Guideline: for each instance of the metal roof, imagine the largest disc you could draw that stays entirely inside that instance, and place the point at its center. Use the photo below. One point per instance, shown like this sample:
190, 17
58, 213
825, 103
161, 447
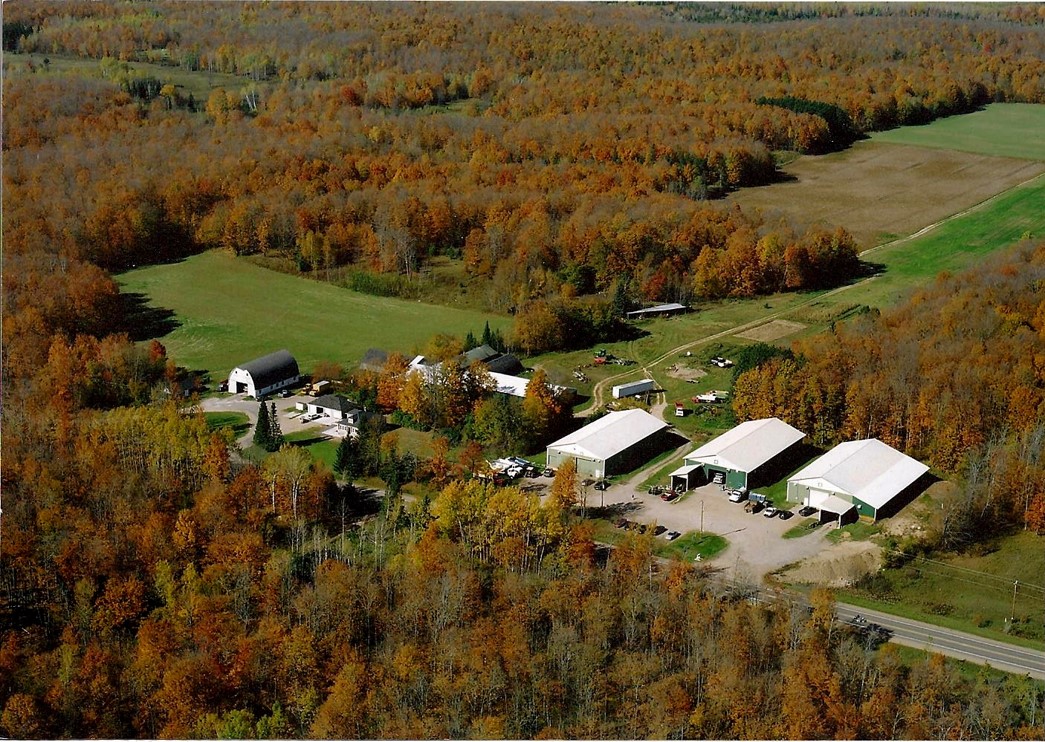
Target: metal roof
868, 470
835, 505
658, 309
609, 435
334, 402
271, 369
684, 471
747, 446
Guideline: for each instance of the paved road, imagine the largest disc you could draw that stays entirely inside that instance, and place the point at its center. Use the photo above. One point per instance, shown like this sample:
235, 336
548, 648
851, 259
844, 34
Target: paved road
959, 645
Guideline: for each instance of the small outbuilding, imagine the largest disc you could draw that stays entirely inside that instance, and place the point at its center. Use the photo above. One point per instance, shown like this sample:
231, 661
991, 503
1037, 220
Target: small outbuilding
615, 443
632, 388
863, 477
731, 458
265, 375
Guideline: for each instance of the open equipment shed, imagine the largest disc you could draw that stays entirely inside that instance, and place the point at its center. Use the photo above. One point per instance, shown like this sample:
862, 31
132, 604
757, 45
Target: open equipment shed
612, 444
862, 477
730, 458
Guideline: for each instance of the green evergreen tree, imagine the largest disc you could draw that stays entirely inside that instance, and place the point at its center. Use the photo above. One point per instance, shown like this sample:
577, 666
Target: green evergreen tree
392, 474
347, 462
263, 429
470, 341
276, 439
487, 335
621, 303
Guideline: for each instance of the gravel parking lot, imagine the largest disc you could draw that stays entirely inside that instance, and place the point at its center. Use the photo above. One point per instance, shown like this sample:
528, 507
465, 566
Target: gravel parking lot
756, 546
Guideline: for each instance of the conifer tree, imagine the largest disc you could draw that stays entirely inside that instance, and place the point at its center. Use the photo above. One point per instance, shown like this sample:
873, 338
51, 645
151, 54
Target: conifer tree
276, 439
263, 429
347, 463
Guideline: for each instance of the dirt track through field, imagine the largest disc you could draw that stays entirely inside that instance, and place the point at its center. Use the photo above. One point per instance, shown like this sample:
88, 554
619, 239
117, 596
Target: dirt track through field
599, 389
878, 189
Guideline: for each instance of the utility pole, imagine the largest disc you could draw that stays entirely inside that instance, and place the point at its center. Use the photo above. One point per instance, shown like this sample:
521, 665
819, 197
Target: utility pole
701, 517
1015, 587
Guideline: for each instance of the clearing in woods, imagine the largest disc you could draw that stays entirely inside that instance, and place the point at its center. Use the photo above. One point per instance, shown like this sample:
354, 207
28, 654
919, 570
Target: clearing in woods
884, 187
1002, 129
230, 311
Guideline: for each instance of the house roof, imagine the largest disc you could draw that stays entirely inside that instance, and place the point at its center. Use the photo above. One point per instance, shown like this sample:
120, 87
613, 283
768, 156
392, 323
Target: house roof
868, 470
272, 369
504, 364
610, 435
516, 385
747, 446
334, 402
482, 353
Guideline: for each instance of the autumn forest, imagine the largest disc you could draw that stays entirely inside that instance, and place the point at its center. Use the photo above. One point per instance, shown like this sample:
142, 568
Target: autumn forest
565, 162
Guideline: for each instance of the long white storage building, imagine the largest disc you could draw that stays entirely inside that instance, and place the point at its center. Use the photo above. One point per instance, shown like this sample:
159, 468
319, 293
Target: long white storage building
731, 457
862, 477
615, 443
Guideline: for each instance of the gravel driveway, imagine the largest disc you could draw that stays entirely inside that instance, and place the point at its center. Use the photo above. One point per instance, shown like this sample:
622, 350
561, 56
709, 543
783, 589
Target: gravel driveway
756, 546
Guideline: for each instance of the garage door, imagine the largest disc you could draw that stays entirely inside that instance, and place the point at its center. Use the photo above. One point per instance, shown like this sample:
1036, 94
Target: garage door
817, 497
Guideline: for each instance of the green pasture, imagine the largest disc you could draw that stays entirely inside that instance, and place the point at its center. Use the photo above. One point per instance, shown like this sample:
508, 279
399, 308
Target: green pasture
230, 311
971, 592
1001, 129
953, 246
199, 83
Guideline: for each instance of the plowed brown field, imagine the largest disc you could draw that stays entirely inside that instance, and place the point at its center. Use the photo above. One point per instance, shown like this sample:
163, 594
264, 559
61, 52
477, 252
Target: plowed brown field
881, 191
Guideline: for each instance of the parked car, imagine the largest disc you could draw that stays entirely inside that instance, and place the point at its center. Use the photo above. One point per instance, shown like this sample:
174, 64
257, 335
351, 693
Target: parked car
223, 386
784, 514
285, 393
602, 484
753, 507
669, 496
769, 512
806, 510
659, 530
737, 495
548, 472
672, 535
532, 473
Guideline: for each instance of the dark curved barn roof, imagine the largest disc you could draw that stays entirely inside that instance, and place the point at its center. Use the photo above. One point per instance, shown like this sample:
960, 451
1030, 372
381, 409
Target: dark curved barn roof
272, 369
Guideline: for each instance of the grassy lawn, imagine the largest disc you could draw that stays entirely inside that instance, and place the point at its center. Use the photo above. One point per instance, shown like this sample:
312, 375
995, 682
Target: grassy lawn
912, 657
802, 528
859, 531
238, 421
230, 311
693, 544
687, 547
969, 592
1001, 129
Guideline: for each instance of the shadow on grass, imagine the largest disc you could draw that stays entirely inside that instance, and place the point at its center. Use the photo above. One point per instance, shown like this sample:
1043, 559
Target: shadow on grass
306, 442
142, 322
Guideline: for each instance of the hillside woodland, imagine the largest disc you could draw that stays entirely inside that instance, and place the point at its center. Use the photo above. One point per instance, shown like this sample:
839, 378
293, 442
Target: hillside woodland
153, 584
549, 150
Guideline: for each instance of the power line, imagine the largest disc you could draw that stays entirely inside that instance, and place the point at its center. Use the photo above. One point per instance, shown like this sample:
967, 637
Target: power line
1006, 580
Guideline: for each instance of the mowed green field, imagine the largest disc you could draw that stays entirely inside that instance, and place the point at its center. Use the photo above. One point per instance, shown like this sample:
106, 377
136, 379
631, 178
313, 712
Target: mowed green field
1003, 130
952, 246
231, 311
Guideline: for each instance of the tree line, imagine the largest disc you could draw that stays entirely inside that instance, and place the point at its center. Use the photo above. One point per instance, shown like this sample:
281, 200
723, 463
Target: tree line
952, 376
